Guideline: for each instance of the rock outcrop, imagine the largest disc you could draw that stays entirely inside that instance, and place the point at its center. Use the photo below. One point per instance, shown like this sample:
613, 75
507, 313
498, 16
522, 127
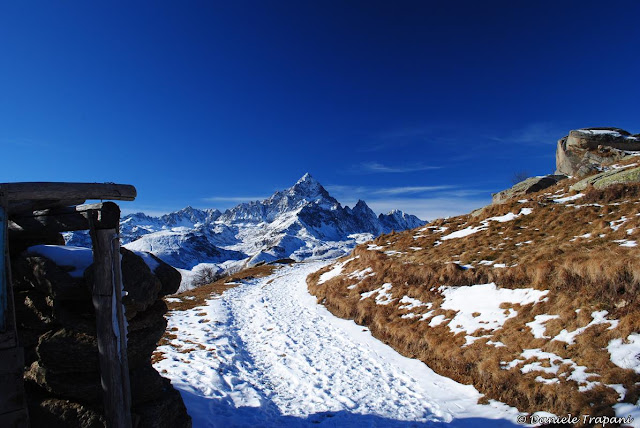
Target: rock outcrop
608, 178
56, 326
589, 150
530, 185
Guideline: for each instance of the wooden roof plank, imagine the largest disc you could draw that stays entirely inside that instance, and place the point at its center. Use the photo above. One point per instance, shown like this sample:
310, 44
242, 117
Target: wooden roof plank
36, 191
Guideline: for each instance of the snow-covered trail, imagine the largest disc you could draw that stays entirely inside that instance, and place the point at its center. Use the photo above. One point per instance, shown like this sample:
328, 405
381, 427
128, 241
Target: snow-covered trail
265, 353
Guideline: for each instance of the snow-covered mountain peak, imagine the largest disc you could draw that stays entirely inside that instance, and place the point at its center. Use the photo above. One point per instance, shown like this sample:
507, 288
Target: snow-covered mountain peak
189, 217
361, 206
309, 188
307, 178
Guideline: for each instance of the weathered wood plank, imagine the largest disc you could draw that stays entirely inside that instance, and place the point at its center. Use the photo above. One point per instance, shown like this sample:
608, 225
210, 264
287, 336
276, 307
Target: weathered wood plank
58, 191
112, 354
31, 205
106, 215
122, 326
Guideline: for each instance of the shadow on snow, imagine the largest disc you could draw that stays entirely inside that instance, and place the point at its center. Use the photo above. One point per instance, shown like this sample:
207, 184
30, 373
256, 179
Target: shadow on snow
212, 412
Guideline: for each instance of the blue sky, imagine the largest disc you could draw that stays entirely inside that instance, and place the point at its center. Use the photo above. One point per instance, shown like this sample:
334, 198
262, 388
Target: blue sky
424, 106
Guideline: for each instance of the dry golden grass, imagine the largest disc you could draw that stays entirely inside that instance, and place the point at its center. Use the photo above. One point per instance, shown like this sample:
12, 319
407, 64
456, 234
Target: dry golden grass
198, 296
548, 249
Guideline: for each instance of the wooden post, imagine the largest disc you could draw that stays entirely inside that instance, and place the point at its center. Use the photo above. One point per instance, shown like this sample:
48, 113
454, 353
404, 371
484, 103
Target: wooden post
4, 292
122, 326
111, 332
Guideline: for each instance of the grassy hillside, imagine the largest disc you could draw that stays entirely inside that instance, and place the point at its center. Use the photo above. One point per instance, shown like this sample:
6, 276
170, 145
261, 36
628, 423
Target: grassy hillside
534, 302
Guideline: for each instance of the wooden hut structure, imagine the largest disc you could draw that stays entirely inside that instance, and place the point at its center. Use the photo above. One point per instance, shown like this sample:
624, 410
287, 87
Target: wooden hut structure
32, 210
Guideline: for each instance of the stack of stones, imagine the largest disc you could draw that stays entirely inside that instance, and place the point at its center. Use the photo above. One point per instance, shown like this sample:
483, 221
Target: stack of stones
56, 326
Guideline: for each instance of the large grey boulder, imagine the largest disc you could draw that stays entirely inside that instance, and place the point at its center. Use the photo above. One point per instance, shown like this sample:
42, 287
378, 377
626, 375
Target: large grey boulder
80, 386
608, 178
42, 274
69, 351
589, 150
169, 277
530, 185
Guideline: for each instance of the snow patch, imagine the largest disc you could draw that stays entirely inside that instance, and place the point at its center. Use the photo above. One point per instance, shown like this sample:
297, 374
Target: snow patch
578, 374
615, 225
383, 296
337, 270
599, 317
77, 258
464, 232
568, 198
537, 326
478, 306
149, 261
484, 224
361, 274
409, 303
626, 354
626, 243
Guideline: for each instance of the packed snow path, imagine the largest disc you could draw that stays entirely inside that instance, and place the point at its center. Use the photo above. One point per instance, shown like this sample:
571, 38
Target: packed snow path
265, 353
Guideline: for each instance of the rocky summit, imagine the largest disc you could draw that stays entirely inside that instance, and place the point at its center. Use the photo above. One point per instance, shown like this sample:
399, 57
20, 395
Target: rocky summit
585, 151
302, 222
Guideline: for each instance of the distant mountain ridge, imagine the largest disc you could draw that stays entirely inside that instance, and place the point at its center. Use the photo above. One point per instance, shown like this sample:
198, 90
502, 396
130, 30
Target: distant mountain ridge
301, 222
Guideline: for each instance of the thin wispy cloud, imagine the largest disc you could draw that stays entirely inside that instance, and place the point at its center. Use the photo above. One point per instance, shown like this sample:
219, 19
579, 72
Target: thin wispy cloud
426, 208
376, 168
533, 133
338, 189
465, 193
410, 189
344, 193
427, 202
369, 192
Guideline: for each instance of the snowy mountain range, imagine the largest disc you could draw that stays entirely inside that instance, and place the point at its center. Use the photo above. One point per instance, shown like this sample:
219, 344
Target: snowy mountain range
302, 222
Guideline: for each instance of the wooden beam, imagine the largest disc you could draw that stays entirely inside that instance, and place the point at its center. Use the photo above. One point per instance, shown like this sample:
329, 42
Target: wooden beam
109, 328
105, 215
60, 191
17, 207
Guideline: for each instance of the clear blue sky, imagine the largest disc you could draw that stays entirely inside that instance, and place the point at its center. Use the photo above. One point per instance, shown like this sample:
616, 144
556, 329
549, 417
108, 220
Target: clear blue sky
424, 106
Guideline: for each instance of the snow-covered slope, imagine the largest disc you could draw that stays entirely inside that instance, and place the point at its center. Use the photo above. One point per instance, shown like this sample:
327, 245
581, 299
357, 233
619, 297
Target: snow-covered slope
302, 222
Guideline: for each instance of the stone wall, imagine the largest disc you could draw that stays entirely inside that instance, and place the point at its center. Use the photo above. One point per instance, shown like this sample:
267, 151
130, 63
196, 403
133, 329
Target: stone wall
56, 326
